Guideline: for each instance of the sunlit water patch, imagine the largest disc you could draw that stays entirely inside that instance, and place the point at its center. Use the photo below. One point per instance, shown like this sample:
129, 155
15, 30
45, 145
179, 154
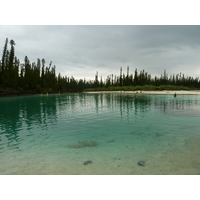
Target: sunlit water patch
111, 133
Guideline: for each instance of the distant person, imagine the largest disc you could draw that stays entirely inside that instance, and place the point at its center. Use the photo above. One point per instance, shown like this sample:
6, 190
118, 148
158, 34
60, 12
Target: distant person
175, 95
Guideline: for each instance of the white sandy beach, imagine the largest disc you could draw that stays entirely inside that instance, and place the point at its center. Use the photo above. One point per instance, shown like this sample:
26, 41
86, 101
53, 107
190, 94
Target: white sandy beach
178, 92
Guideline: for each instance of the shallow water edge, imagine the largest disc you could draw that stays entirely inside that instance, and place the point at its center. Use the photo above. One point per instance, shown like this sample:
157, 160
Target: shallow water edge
184, 160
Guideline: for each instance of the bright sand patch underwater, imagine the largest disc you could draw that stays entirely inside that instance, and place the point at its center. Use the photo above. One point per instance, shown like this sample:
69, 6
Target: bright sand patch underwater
182, 160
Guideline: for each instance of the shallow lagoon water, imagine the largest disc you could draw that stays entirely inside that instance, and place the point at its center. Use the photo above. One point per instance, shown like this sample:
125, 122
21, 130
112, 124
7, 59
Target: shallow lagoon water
163, 131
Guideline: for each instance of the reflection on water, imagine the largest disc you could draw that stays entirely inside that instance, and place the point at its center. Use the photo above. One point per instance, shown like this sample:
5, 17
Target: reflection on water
122, 124
21, 117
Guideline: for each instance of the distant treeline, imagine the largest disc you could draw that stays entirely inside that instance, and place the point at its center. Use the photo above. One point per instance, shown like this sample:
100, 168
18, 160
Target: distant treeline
36, 77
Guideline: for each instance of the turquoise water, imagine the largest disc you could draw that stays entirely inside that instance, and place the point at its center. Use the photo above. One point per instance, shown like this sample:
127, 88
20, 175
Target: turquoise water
36, 131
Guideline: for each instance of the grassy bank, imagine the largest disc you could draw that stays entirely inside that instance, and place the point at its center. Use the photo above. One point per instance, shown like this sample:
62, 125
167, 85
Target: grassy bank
10, 92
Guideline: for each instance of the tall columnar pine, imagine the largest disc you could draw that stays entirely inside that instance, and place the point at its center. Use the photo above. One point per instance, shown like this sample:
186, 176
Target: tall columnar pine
136, 78
36, 77
3, 64
120, 78
3, 61
96, 81
12, 54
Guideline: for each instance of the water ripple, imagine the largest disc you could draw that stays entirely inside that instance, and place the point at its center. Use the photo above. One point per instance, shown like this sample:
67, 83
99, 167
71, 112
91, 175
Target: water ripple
42, 127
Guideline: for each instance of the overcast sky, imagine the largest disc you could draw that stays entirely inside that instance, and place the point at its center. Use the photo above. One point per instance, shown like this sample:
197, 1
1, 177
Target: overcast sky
80, 51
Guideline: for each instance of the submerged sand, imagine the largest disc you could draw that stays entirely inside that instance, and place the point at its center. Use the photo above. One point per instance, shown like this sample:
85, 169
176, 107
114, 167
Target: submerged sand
178, 92
182, 160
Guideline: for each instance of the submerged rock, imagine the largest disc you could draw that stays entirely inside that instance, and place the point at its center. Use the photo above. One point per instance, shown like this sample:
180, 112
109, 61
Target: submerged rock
87, 162
141, 163
82, 144
159, 134
109, 141
13, 148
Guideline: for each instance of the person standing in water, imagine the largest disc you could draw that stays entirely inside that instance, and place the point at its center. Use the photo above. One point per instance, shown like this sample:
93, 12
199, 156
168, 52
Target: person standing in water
175, 95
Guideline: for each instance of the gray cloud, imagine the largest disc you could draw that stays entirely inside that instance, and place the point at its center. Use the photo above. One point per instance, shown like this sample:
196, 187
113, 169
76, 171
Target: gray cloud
82, 50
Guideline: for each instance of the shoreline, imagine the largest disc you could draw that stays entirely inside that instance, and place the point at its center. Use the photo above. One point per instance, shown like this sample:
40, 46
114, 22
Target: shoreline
166, 92
153, 92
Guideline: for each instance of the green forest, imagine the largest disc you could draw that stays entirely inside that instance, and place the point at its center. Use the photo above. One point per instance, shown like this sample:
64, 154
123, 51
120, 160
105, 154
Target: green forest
39, 77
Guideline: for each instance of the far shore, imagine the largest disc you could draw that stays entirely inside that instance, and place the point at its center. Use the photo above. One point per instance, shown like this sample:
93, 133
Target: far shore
139, 92
178, 92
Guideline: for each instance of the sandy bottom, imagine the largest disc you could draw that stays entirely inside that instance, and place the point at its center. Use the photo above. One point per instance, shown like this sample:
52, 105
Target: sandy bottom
180, 161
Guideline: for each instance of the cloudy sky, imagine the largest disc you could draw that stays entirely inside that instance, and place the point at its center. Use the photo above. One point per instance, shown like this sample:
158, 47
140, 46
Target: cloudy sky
80, 51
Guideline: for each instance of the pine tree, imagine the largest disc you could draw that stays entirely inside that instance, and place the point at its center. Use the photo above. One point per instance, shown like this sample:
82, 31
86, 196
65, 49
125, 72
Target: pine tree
136, 78
42, 75
12, 54
3, 64
12, 78
4, 56
96, 81
120, 78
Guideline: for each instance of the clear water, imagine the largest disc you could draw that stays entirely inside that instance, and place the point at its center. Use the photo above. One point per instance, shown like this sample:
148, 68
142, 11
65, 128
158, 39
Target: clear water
162, 131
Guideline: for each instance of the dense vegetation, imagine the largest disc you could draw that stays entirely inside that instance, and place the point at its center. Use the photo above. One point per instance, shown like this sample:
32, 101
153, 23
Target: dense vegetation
36, 77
